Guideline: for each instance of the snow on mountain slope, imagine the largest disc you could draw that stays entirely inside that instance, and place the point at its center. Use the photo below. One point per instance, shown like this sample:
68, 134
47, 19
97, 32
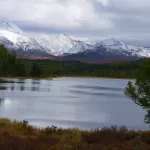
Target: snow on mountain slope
139, 51
60, 45
80, 46
4, 41
8, 26
117, 47
18, 38
57, 45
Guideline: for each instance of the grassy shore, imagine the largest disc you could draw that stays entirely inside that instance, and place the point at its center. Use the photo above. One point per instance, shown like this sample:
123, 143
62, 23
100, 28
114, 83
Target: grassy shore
22, 136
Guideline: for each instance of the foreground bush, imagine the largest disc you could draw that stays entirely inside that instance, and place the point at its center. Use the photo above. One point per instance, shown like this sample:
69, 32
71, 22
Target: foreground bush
22, 136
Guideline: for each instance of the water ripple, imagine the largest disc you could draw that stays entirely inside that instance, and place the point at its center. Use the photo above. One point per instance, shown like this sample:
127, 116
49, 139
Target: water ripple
96, 94
98, 88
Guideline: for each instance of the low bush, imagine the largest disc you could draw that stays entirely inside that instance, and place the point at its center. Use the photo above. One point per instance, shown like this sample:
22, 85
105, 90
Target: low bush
22, 136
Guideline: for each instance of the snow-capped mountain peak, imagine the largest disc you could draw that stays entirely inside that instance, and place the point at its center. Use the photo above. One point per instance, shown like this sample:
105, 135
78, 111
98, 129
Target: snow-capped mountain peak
63, 36
119, 48
111, 42
11, 34
10, 27
60, 44
13, 37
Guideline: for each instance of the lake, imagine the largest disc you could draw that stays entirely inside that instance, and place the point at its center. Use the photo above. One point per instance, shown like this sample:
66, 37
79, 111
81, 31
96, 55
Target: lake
86, 103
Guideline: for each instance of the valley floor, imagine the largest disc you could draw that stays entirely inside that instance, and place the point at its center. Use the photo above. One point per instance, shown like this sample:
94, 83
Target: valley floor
22, 136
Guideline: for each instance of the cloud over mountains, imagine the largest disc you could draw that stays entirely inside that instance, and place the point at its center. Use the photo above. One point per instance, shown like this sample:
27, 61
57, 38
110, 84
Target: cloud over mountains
126, 20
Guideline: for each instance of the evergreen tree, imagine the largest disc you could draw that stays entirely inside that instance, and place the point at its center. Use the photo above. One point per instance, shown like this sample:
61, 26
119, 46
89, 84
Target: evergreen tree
140, 90
9, 64
3, 59
21, 70
36, 70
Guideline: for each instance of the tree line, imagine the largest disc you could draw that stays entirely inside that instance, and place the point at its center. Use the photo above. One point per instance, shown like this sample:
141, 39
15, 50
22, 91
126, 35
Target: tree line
10, 65
74, 68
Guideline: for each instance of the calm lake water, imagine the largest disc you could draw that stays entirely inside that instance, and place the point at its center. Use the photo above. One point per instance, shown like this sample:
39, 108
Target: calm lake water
86, 103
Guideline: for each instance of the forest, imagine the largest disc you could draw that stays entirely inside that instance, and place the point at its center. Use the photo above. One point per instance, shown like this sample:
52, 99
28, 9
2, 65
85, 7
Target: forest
11, 65
79, 69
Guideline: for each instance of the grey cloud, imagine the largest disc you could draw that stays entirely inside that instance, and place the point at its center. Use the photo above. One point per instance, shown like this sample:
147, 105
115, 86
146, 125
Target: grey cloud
129, 19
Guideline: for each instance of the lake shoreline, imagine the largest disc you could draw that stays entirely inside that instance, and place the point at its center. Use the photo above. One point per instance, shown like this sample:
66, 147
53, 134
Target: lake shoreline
94, 77
51, 77
33, 78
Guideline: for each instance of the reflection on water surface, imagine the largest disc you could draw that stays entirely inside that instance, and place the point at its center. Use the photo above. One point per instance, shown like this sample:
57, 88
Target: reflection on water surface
70, 102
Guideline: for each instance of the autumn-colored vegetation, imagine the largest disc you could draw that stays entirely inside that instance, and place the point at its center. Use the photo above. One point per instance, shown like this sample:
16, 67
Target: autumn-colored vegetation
22, 136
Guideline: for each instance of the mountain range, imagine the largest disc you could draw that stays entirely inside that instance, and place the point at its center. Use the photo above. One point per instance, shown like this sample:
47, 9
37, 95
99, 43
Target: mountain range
63, 47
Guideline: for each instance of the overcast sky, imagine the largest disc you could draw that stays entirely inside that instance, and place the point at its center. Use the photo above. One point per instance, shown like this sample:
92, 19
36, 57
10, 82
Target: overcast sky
126, 20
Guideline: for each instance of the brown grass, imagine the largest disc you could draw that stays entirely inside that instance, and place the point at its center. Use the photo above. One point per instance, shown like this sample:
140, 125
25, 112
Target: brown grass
22, 136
